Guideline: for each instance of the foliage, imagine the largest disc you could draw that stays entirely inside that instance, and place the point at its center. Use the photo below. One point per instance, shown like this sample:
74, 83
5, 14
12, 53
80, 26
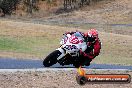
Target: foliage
7, 6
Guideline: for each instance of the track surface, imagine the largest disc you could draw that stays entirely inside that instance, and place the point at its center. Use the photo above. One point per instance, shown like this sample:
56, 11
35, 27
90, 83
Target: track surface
7, 63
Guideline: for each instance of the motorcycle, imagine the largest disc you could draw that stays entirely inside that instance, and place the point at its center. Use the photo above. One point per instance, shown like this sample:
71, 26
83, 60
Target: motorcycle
68, 52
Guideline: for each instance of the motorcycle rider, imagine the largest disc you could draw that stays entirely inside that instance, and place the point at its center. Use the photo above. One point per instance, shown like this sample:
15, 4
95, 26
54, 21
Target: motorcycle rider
93, 47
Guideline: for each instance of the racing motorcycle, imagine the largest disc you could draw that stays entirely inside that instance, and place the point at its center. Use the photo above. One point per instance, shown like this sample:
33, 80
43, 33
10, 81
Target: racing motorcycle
68, 52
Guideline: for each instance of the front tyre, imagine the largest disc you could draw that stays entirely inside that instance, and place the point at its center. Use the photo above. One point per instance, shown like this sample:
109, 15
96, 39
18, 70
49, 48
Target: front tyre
51, 59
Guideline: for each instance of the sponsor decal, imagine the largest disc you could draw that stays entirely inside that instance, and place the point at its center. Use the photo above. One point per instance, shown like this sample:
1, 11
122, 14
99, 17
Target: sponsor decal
83, 78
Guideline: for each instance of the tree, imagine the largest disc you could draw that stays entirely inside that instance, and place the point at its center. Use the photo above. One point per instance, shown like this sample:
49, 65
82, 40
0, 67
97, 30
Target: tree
7, 6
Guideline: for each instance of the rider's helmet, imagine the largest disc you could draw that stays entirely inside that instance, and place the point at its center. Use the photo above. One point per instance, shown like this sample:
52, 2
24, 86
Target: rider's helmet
91, 35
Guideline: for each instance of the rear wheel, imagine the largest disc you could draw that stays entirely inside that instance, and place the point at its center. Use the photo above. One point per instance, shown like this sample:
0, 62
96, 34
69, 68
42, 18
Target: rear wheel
51, 59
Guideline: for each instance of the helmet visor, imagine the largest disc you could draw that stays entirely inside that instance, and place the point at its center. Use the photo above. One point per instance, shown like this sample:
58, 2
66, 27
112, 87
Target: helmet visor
91, 39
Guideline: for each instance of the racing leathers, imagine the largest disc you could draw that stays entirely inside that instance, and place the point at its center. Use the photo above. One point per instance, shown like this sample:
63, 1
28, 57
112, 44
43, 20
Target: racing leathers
93, 50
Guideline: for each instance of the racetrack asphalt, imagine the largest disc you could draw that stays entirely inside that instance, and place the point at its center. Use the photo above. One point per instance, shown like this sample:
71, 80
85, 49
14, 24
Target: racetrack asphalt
8, 63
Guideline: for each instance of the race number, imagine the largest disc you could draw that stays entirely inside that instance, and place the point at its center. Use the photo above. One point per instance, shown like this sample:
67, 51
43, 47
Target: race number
70, 47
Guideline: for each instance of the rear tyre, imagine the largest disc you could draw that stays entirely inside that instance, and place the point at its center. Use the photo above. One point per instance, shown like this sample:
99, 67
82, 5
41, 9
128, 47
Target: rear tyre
51, 59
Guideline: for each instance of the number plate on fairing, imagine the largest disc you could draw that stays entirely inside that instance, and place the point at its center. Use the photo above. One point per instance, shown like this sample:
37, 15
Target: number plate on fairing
70, 47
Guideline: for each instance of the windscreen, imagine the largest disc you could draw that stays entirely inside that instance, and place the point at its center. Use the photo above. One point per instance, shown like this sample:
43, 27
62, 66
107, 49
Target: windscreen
78, 34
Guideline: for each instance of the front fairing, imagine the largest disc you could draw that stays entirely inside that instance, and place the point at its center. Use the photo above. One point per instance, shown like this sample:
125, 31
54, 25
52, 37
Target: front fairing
72, 48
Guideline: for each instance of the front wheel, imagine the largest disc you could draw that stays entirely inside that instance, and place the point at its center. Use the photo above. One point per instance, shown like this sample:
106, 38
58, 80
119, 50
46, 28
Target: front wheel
51, 59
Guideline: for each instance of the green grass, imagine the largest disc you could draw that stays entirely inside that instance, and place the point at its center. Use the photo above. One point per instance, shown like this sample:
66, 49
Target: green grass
38, 46
12, 44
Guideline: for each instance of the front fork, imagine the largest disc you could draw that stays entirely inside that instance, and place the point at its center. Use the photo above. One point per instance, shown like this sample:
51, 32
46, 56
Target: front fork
62, 58
63, 53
